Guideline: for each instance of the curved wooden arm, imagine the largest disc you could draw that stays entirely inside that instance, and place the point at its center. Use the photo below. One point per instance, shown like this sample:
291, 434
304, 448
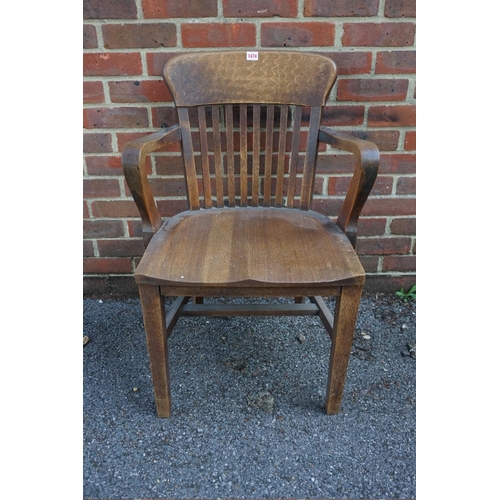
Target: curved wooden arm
133, 158
365, 173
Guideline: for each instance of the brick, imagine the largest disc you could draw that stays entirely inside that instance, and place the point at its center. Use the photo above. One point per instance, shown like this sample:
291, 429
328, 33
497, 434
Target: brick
406, 185
392, 116
378, 34
396, 61
101, 188
369, 263
127, 36
218, 35
383, 246
88, 248
371, 226
351, 63
297, 34
134, 228
400, 8
343, 115
155, 9
111, 265
337, 186
340, 8
385, 140
156, 60
165, 187
335, 163
120, 248
139, 91
109, 9
372, 89
399, 263
397, 163
169, 208
102, 228
327, 206
115, 209
169, 165
93, 92
389, 206
97, 143
260, 8
109, 165
406, 226
86, 213
89, 37
124, 117
411, 140
112, 64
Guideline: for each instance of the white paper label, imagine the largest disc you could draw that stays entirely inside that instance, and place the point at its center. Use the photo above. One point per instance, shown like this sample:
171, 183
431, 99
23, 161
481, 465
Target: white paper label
252, 56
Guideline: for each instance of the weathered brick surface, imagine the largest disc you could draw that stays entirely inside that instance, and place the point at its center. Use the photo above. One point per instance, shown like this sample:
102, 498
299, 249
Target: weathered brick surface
372, 90
400, 8
260, 8
126, 44
150, 35
396, 61
139, 91
218, 35
112, 64
340, 8
89, 37
179, 8
93, 92
109, 9
297, 34
379, 35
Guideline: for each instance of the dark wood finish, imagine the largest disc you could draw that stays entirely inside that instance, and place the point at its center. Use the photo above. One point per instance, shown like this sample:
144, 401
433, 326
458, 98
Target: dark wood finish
264, 246
153, 308
346, 311
250, 310
236, 239
228, 78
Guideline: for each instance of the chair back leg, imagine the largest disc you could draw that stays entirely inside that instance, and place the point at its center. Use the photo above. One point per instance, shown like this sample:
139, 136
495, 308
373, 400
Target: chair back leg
346, 311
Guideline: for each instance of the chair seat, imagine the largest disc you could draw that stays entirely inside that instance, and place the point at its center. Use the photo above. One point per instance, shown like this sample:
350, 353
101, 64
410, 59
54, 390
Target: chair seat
250, 246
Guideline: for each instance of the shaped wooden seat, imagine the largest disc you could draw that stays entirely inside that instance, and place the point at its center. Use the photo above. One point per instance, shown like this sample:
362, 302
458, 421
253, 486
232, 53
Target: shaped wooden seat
249, 132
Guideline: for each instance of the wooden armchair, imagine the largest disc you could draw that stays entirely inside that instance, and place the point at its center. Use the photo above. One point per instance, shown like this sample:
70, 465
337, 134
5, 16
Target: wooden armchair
249, 132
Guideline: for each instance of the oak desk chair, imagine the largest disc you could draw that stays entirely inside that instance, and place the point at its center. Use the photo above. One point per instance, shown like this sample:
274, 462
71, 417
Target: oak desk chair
249, 132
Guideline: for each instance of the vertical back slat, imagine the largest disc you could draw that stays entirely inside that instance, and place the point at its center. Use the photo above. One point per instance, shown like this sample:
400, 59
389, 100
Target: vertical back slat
205, 168
243, 156
306, 193
256, 155
294, 158
281, 155
219, 186
190, 166
230, 155
269, 155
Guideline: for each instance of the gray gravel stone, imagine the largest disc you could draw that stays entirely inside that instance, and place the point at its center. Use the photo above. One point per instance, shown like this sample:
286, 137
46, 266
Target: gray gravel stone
216, 445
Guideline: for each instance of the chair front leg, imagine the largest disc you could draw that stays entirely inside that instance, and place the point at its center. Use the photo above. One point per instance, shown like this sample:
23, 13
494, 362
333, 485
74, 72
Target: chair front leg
153, 310
346, 311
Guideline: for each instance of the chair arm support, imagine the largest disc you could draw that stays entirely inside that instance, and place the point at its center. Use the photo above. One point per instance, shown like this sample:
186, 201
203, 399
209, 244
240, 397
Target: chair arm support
365, 173
133, 160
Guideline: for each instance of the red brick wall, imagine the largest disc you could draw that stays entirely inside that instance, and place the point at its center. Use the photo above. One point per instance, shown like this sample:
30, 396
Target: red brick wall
126, 43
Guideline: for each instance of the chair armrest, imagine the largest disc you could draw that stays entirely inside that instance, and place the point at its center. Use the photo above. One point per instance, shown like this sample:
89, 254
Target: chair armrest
365, 173
133, 159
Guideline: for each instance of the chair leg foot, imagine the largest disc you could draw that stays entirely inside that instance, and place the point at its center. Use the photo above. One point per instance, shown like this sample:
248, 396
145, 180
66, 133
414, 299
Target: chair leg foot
346, 311
153, 310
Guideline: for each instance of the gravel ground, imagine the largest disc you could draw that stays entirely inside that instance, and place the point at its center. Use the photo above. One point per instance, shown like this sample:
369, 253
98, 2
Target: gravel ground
248, 416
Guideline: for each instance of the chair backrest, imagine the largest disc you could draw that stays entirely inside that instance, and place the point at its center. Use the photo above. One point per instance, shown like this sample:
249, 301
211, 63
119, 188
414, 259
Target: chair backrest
237, 112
